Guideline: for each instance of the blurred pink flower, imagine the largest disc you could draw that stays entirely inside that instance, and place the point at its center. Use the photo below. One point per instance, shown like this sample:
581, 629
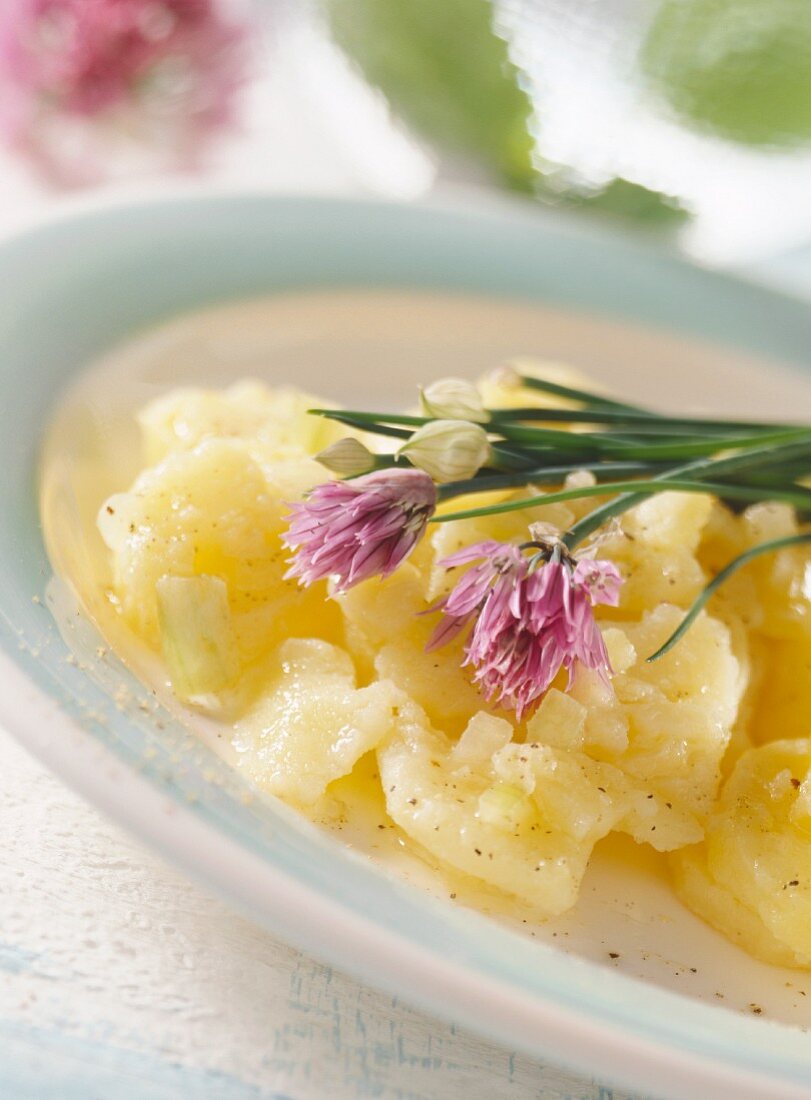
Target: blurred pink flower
154, 69
528, 618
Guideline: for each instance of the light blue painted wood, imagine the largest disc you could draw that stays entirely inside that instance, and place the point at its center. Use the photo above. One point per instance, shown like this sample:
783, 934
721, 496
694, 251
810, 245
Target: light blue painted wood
122, 980
46, 1065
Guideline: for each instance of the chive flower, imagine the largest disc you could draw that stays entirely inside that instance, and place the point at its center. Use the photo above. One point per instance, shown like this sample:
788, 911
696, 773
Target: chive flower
354, 530
528, 618
73, 73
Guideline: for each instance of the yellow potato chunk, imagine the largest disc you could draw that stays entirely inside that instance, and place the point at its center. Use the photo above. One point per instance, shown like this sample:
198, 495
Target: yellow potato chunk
559, 722
384, 623
669, 520
751, 878
782, 709
499, 390
771, 594
654, 549
522, 819
783, 579
311, 723
593, 723
665, 726
681, 708
275, 421
213, 511
766, 605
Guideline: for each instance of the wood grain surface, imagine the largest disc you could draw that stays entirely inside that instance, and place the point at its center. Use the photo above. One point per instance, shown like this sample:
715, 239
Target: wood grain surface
120, 979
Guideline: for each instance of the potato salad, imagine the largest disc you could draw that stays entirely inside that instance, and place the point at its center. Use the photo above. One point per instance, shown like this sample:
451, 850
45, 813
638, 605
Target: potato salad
320, 660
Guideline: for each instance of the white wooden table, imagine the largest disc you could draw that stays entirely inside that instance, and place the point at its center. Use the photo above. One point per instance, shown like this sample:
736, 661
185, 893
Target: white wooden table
120, 979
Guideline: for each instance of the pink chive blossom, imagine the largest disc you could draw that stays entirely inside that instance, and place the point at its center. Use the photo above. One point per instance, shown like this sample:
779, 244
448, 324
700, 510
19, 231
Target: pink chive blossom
366, 527
528, 618
155, 71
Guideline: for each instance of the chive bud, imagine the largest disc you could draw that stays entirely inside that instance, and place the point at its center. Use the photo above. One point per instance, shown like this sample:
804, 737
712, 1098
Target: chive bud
453, 399
506, 377
448, 450
347, 457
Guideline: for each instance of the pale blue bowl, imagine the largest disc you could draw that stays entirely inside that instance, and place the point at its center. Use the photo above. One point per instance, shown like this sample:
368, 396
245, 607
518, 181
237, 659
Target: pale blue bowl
80, 283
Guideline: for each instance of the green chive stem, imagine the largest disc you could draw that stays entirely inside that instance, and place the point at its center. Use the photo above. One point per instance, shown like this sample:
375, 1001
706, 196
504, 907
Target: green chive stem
797, 495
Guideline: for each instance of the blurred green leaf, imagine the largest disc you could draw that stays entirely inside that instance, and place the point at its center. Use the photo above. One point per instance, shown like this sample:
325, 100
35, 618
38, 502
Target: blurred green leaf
446, 73
740, 68
632, 200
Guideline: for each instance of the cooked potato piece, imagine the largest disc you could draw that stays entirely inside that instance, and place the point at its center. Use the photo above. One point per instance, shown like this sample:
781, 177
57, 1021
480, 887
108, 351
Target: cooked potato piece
679, 710
275, 421
522, 818
384, 623
782, 709
666, 727
771, 594
751, 878
499, 391
212, 511
311, 724
669, 520
654, 549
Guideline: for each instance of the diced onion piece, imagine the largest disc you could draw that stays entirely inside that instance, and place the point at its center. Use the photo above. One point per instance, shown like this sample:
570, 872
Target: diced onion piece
559, 721
800, 812
197, 634
505, 806
484, 735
